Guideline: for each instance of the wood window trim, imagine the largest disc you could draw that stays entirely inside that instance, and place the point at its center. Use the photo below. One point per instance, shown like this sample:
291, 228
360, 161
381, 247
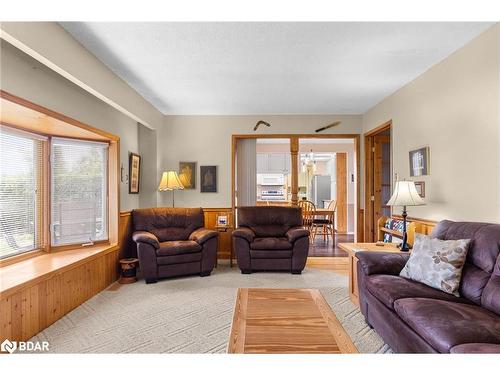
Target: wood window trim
22, 114
75, 246
21, 257
294, 145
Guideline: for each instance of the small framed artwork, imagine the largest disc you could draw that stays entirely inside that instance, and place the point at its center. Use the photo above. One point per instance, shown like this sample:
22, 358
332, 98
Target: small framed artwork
187, 174
208, 179
222, 220
134, 172
420, 186
419, 162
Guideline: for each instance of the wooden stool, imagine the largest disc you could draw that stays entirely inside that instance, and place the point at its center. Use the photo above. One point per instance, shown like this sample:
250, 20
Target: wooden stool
129, 268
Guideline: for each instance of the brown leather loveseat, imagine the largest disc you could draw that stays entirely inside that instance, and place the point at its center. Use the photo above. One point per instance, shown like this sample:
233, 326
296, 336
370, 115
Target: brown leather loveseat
270, 238
173, 242
414, 318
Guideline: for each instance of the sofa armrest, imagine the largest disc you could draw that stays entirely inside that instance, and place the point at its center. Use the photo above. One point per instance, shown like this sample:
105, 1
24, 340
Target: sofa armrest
202, 235
245, 233
377, 262
146, 237
295, 233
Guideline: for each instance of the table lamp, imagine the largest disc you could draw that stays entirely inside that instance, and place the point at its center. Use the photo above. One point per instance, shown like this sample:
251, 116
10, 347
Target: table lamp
405, 194
170, 181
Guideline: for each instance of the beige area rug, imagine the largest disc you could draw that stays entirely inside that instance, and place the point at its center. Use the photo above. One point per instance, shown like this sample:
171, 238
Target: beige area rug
189, 314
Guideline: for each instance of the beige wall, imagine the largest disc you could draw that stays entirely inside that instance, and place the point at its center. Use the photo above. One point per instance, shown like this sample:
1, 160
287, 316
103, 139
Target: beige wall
27, 78
453, 108
207, 141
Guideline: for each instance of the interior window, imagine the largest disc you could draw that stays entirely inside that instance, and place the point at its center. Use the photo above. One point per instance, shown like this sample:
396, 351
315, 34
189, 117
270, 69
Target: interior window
20, 191
79, 191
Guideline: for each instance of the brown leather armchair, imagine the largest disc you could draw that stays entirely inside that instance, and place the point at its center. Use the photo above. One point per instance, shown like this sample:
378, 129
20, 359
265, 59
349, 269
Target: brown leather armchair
173, 242
270, 238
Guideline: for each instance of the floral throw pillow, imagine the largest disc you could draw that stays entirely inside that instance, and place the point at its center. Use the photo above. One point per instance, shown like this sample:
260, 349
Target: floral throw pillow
437, 263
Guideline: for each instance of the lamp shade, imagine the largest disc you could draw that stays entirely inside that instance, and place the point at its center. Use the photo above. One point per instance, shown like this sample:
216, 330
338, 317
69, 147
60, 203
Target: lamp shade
405, 194
170, 181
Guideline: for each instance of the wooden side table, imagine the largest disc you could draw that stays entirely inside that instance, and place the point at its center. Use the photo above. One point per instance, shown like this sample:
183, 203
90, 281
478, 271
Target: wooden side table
225, 239
351, 249
128, 270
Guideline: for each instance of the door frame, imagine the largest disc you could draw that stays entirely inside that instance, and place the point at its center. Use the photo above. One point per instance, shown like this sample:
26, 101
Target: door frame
294, 150
369, 230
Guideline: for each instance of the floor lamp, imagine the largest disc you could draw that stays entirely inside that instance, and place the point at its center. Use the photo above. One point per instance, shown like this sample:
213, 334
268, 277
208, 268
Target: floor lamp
170, 181
405, 194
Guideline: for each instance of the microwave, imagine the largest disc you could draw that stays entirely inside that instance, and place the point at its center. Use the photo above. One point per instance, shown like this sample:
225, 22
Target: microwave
271, 179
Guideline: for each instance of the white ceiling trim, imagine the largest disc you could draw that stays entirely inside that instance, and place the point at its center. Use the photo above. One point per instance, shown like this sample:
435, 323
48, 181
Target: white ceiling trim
37, 56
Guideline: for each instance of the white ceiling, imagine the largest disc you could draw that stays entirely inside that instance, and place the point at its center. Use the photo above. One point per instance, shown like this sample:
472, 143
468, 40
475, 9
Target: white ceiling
270, 68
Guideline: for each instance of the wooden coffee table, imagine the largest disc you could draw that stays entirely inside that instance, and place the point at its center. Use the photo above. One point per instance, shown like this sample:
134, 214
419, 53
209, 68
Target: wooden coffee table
286, 321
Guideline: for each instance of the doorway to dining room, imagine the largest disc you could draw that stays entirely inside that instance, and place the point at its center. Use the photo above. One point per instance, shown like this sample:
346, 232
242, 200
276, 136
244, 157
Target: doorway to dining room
326, 171
320, 168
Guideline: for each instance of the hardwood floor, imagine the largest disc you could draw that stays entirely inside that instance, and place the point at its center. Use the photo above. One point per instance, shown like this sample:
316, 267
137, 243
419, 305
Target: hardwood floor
286, 321
322, 248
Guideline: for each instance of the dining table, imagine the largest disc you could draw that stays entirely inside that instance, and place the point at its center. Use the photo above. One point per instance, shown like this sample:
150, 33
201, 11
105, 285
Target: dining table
323, 212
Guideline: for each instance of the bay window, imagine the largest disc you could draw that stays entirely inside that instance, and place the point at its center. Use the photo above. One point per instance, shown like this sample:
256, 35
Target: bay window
42, 174
59, 184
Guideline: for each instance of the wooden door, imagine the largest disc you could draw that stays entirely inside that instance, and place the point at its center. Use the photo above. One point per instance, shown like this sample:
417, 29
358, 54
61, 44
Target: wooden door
341, 219
381, 176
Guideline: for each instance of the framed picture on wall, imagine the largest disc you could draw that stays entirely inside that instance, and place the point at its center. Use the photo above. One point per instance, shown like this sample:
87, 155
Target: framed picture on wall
222, 220
419, 162
134, 172
208, 179
420, 186
187, 174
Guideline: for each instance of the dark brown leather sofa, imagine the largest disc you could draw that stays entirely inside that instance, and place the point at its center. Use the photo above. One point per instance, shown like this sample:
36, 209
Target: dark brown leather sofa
270, 239
414, 318
173, 242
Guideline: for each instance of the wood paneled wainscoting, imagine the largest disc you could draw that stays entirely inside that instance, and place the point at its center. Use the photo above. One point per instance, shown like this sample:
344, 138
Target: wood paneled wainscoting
37, 292
423, 226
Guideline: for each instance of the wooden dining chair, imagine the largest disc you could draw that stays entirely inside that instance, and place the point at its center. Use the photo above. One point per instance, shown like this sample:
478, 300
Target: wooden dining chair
327, 224
308, 214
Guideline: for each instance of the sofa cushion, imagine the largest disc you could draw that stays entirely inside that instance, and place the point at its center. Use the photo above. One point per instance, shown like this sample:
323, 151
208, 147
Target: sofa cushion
272, 221
178, 259
490, 298
273, 254
483, 254
437, 263
388, 289
167, 223
445, 324
177, 248
270, 243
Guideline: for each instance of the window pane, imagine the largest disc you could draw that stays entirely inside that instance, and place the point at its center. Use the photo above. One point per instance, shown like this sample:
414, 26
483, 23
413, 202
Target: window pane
20, 168
79, 191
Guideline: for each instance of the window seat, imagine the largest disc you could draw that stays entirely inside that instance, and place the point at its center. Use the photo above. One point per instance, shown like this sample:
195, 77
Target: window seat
26, 273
